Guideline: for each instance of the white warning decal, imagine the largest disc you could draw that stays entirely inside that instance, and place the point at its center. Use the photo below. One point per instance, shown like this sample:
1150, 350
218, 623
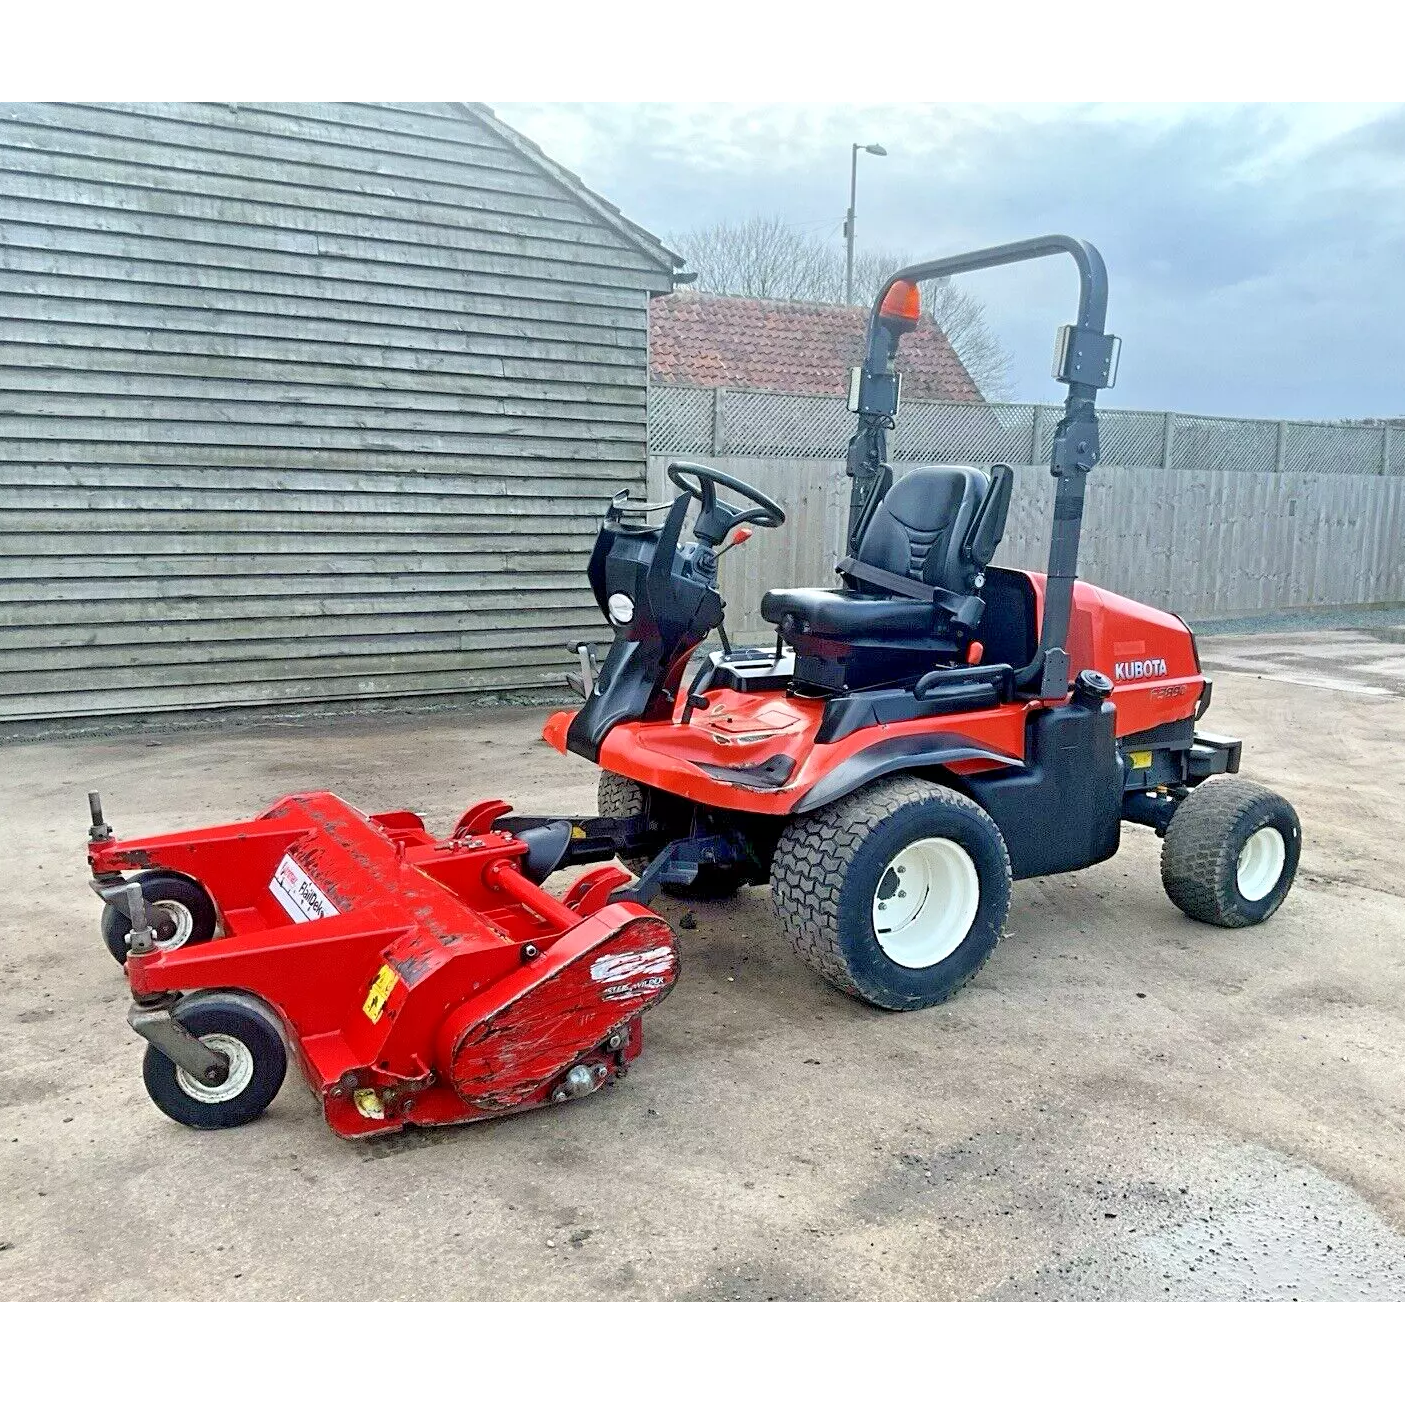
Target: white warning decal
300, 897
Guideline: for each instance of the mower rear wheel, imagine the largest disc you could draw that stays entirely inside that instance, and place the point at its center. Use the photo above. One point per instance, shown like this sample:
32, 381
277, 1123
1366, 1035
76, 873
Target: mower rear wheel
623, 799
896, 894
1231, 852
247, 1037
180, 905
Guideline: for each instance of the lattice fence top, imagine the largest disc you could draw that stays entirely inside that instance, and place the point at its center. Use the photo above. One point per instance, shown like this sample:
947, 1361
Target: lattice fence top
680, 420
755, 424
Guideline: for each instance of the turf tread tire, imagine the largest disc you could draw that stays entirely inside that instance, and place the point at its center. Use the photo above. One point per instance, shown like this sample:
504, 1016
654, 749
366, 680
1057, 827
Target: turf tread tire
1199, 860
815, 853
619, 798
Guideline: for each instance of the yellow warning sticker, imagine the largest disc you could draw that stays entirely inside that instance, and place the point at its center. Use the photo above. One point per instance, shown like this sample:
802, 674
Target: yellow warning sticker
1139, 760
380, 990
368, 1104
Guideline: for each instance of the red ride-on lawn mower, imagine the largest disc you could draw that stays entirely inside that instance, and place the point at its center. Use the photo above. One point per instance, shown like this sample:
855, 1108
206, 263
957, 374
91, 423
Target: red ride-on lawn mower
930, 730
916, 739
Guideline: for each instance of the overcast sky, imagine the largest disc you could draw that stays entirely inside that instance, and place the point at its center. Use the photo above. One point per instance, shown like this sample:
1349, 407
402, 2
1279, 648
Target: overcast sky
1256, 253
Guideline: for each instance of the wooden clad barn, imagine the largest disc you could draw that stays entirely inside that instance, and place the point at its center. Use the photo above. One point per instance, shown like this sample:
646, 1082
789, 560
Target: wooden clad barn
303, 402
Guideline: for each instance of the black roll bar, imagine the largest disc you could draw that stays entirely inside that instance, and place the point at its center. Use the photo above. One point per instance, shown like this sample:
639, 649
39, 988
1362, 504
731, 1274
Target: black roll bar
1086, 361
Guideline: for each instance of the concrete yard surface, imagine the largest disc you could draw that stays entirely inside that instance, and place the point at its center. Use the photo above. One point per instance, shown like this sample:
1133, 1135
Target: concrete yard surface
1123, 1104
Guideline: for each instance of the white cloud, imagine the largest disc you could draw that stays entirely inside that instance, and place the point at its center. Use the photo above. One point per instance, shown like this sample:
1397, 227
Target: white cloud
1254, 249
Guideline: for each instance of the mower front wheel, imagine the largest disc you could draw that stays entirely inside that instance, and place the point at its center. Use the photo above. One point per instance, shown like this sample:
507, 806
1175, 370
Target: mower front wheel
249, 1040
182, 910
1231, 852
896, 894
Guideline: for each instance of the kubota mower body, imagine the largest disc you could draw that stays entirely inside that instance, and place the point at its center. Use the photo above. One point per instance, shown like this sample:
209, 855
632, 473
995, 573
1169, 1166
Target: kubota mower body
762, 746
931, 727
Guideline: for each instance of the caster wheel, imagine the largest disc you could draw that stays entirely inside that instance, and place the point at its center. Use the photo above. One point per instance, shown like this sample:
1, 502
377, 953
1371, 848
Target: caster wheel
252, 1043
182, 914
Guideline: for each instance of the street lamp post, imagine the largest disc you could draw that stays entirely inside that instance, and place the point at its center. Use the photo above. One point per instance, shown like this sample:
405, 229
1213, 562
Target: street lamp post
873, 149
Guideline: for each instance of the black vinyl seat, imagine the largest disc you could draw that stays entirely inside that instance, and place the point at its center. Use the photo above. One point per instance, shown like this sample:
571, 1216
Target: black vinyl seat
846, 614
922, 525
909, 598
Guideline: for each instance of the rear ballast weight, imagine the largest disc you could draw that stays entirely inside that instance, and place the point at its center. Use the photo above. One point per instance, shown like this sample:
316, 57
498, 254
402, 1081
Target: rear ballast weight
416, 981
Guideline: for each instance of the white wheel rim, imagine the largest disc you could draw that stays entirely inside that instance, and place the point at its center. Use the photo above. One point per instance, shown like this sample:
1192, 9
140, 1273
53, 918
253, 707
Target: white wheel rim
181, 915
926, 902
241, 1071
1260, 864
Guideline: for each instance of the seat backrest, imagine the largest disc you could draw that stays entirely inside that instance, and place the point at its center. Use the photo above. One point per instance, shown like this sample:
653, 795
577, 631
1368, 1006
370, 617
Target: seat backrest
921, 527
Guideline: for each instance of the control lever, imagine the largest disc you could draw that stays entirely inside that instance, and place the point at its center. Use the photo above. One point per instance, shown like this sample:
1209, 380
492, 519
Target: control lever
744, 534
697, 692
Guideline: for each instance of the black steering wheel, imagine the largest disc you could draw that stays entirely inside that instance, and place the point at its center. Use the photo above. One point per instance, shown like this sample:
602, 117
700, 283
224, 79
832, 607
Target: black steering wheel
716, 519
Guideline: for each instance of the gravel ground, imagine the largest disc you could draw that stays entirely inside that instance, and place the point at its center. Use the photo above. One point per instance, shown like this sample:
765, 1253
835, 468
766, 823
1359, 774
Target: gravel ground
1310, 621
1123, 1104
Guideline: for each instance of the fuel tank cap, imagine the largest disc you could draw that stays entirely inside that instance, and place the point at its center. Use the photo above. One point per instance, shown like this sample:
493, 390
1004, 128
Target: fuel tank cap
1092, 686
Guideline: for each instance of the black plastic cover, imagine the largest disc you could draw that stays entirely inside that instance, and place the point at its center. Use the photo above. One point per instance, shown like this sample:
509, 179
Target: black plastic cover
1063, 810
845, 715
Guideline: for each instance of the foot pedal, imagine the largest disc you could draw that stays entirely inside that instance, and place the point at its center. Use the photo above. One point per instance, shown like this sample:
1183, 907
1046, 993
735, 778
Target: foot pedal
584, 683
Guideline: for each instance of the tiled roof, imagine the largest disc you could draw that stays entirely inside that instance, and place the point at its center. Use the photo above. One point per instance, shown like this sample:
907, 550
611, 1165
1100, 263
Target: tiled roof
799, 348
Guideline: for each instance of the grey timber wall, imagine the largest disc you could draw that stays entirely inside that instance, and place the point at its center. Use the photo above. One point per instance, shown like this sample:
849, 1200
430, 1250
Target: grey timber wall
302, 403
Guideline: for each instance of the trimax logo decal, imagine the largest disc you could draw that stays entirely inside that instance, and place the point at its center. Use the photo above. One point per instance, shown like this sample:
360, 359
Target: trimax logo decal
298, 895
1139, 668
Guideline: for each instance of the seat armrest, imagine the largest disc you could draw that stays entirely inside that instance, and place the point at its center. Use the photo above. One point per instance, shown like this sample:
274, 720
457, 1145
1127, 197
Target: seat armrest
1000, 675
988, 525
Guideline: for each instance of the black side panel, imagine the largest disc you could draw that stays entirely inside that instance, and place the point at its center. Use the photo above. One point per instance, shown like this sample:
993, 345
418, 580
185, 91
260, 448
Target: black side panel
1006, 630
752, 670
1063, 810
1176, 736
627, 681
897, 754
854, 711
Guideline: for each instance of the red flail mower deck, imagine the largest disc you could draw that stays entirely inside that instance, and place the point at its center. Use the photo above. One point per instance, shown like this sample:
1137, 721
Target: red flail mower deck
417, 981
